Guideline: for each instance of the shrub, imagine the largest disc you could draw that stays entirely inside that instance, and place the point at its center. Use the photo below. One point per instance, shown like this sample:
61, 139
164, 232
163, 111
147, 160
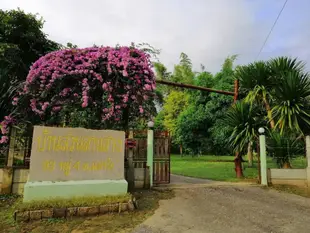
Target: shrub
96, 84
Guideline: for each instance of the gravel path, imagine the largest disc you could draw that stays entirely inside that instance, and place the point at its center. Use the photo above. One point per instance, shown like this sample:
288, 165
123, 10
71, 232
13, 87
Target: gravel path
229, 209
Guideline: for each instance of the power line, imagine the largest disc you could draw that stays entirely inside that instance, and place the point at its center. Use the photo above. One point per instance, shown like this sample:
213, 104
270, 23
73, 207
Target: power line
274, 24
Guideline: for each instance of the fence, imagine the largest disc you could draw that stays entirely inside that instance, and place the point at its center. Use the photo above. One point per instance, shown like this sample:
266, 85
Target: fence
290, 160
286, 151
15, 160
161, 160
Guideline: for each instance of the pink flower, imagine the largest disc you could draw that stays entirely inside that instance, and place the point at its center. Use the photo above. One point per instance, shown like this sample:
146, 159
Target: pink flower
45, 105
148, 87
125, 74
84, 82
15, 101
56, 109
4, 139
79, 72
8, 119
105, 86
110, 99
125, 99
141, 109
4, 129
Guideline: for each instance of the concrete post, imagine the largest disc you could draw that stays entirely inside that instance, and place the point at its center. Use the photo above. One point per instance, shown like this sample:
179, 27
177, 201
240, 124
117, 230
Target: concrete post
10, 159
263, 156
7, 175
131, 169
308, 159
150, 150
308, 150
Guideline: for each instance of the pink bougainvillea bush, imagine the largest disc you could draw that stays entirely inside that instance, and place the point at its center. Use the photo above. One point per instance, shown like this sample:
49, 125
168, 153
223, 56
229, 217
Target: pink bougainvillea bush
102, 81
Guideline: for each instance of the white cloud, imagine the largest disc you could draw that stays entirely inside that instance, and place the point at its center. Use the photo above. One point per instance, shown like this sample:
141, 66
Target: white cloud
207, 30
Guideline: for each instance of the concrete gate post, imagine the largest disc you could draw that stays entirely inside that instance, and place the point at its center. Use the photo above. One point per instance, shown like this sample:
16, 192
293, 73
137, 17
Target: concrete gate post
308, 159
263, 156
150, 150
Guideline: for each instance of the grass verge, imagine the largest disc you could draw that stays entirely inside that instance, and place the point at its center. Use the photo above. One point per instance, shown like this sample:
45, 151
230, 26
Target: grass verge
218, 168
301, 191
116, 223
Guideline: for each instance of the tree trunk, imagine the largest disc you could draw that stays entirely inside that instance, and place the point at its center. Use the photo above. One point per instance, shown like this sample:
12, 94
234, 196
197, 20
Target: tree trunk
269, 114
181, 150
126, 119
238, 165
250, 155
287, 165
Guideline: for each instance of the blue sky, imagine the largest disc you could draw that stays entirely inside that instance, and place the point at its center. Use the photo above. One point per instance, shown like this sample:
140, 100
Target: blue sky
207, 30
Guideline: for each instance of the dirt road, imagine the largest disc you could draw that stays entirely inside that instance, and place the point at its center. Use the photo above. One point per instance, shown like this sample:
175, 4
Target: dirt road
230, 209
182, 180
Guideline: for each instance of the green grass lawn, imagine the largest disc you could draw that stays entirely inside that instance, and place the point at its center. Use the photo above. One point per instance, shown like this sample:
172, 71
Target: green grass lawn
210, 167
148, 202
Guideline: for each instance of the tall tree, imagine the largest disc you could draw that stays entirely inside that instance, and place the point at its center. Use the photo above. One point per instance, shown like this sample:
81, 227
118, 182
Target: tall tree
218, 105
245, 121
183, 72
7, 91
162, 73
175, 103
22, 42
283, 87
257, 81
200, 128
291, 104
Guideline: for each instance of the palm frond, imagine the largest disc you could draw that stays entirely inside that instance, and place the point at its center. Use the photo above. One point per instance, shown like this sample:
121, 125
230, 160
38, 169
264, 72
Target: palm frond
283, 65
252, 75
244, 120
291, 108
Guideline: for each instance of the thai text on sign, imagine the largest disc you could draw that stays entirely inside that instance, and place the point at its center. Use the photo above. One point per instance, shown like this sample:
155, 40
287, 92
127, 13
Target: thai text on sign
71, 143
67, 166
63, 154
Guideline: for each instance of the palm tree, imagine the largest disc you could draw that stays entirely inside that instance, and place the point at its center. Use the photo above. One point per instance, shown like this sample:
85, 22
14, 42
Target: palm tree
260, 79
283, 87
291, 102
245, 120
290, 106
257, 82
280, 66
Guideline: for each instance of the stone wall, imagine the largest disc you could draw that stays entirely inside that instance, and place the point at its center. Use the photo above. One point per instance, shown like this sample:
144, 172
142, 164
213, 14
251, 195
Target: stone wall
297, 177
